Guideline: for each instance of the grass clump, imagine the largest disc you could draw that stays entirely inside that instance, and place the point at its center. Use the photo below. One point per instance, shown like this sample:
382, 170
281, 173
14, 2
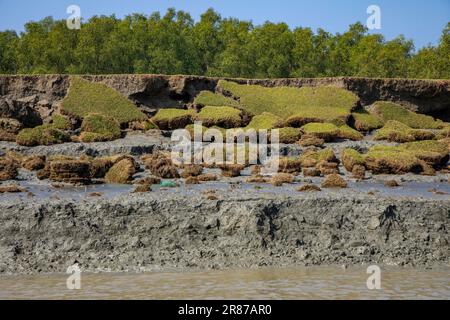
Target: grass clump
392, 111
395, 131
325, 131
61, 122
432, 152
225, 117
41, 135
311, 158
301, 105
365, 121
346, 132
172, 119
99, 128
391, 160
334, 181
290, 165
122, 172
350, 158
289, 135
85, 97
208, 98
265, 121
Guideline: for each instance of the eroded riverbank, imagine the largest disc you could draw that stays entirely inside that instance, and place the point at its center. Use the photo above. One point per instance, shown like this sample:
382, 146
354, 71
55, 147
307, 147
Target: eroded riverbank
239, 228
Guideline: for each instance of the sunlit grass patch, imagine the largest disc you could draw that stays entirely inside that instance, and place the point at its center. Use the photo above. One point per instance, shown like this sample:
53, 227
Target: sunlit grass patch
326, 131
392, 111
208, 98
98, 128
85, 97
41, 135
396, 131
365, 121
266, 121
299, 104
225, 117
172, 119
346, 132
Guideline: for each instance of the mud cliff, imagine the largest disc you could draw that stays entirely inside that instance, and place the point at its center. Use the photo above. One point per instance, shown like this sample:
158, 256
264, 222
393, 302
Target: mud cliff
31, 99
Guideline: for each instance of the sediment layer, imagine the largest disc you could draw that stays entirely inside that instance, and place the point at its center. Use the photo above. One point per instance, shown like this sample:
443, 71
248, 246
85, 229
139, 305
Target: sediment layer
241, 229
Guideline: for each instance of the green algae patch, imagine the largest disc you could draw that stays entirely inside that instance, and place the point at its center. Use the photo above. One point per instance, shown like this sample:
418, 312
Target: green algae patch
300, 105
172, 119
326, 131
208, 98
395, 131
365, 121
85, 97
265, 121
99, 128
225, 117
346, 132
392, 111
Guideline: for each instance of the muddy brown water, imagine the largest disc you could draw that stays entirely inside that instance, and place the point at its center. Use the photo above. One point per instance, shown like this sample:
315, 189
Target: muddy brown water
268, 283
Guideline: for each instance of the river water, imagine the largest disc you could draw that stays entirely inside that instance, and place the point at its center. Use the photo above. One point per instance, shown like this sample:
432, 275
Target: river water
267, 283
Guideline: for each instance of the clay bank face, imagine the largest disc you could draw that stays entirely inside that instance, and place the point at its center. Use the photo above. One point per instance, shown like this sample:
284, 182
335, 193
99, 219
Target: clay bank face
215, 146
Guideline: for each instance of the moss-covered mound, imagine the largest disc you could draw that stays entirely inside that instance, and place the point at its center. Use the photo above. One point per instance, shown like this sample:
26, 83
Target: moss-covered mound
225, 117
325, 131
290, 165
85, 97
392, 111
365, 121
301, 105
172, 119
391, 160
41, 135
61, 122
289, 135
208, 98
122, 172
346, 132
396, 131
99, 128
351, 158
265, 121
311, 158
433, 152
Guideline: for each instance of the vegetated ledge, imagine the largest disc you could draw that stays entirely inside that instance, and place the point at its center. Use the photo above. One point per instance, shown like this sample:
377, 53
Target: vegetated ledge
43, 93
146, 232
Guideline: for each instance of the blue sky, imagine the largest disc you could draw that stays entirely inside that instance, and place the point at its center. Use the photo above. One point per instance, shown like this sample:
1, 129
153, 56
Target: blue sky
422, 21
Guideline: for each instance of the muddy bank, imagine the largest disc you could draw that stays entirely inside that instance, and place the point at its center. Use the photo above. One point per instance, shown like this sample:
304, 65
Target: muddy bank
239, 229
32, 99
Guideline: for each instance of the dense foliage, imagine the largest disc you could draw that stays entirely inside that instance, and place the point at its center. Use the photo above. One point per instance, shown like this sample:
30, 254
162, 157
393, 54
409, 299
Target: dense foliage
214, 46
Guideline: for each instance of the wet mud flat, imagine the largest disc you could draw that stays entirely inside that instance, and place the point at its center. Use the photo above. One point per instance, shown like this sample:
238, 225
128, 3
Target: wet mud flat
107, 228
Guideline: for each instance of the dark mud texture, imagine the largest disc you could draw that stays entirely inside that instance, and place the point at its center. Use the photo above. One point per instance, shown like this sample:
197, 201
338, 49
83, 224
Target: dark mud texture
149, 232
32, 99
